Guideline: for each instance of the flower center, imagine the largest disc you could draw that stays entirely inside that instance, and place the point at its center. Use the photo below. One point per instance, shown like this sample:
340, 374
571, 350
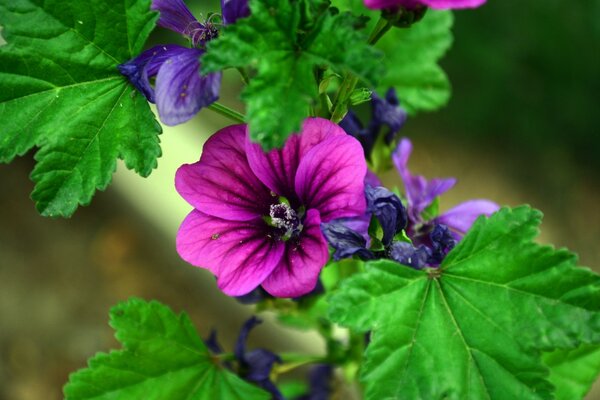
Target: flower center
285, 220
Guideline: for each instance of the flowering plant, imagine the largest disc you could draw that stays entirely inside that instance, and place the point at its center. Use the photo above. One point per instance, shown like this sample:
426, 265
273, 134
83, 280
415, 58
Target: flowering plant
289, 212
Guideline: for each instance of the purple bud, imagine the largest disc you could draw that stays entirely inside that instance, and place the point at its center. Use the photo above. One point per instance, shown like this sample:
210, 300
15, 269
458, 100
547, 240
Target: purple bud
345, 241
388, 210
407, 254
387, 111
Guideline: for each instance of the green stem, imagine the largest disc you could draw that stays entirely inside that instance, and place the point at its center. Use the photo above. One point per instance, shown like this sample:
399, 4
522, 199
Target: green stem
340, 103
227, 112
383, 25
244, 75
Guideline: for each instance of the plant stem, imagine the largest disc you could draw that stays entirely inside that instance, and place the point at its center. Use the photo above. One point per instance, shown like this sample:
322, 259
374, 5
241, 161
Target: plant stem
293, 361
383, 25
244, 75
340, 103
227, 112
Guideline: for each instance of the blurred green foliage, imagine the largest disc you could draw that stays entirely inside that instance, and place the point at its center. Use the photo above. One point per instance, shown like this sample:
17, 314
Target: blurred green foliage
526, 76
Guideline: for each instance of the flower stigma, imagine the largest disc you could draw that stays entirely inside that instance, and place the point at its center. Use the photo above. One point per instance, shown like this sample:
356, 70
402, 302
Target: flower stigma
285, 220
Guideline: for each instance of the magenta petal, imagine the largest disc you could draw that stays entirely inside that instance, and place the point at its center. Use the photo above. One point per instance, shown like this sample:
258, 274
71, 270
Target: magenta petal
331, 176
176, 16
221, 183
460, 218
180, 90
436, 4
420, 193
299, 268
277, 168
238, 253
450, 4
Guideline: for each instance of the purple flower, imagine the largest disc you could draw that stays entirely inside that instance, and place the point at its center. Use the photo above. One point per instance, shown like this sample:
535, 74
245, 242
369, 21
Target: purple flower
180, 92
384, 112
255, 365
320, 386
421, 193
257, 215
232, 10
412, 4
347, 237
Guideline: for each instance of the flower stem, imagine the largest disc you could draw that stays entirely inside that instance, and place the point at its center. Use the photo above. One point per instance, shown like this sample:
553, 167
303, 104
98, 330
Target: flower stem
244, 75
293, 361
227, 112
340, 103
383, 25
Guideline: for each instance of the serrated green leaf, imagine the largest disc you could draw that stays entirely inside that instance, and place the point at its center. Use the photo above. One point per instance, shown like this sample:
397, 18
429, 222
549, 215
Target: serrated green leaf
61, 92
162, 358
285, 47
474, 328
573, 372
411, 60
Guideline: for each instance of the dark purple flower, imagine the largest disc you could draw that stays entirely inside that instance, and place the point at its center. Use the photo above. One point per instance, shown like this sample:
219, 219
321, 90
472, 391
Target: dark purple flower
212, 343
385, 112
407, 254
411, 4
388, 112
257, 215
346, 241
180, 91
232, 10
320, 386
256, 365
347, 236
421, 193
389, 211
442, 241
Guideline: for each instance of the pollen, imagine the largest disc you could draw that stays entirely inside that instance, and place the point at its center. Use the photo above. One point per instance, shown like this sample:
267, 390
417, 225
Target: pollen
215, 236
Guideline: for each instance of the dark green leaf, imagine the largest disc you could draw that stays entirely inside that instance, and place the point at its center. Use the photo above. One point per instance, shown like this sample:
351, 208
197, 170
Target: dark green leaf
411, 60
573, 372
473, 329
61, 92
162, 358
285, 42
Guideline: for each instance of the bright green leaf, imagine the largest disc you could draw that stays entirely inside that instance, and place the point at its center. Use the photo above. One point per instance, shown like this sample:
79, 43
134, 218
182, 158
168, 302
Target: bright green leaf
474, 328
411, 60
162, 358
286, 42
573, 372
61, 92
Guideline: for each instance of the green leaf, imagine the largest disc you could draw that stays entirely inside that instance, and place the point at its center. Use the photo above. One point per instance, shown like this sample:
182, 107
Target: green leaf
573, 372
162, 358
61, 92
286, 42
411, 60
475, 328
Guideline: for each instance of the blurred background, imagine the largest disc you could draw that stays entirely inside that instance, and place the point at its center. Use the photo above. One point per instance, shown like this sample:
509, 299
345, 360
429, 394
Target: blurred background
522, 127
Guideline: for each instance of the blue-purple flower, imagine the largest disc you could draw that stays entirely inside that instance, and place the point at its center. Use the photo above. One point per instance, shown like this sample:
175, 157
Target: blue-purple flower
320, 385
257, 215
408, 235
179, 90
421, 193
385, 112
253, 365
